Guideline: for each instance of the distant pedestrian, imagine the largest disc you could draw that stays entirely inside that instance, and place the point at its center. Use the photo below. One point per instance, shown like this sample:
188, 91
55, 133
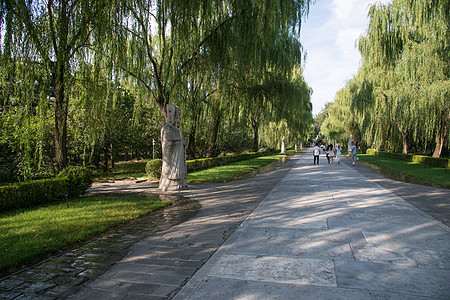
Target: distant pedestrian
316, 153
331, 153
338, 153
353, 154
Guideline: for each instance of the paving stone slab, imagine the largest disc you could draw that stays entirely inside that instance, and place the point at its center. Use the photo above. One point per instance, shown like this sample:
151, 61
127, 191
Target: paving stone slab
276, 269
225, 289
292, 248
426, 282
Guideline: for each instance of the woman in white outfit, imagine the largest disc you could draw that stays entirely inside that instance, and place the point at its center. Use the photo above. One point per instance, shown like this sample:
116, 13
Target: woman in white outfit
338, 153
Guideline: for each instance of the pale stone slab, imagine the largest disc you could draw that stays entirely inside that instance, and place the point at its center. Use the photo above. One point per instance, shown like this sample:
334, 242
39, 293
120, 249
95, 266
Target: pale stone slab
394, 254
305, 271
301, 235
423, 237
225, 289
290, 222
292, 248
402, 218
393, 278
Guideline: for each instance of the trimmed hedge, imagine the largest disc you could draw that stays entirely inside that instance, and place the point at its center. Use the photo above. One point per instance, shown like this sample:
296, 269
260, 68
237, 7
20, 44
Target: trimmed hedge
421, 159
153, 167
71, 182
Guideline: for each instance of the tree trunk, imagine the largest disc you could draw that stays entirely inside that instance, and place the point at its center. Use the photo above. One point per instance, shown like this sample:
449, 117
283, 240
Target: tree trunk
404, 133
255, 126
191, 142
405, 143
440, 139
191, 145
60, 122
214, 133
106, 158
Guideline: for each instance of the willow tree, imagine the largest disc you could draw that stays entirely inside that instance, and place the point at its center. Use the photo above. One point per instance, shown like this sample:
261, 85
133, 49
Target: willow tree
156, 42
410, 39
55, 31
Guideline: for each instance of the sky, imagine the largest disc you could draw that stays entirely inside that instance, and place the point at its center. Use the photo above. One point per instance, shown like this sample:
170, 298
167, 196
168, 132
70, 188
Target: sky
329, 37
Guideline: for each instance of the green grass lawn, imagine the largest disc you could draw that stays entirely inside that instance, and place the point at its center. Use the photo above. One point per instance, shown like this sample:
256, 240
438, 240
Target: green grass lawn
439, 176
232, 171
123, 169
30, 234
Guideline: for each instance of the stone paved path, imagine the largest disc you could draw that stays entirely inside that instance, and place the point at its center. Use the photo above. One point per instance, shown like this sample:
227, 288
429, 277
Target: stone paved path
327, 232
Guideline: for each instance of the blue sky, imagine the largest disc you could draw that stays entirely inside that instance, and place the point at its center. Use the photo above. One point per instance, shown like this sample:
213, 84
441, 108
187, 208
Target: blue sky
329, 36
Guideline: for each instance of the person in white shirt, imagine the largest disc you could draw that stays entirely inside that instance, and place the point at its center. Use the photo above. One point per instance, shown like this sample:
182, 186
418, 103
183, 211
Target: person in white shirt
353, 154
338, 153
316, 153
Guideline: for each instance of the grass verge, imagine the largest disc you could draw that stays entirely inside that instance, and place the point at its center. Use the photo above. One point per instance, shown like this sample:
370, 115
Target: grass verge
438, 176
123, 169
232, 171
27, 235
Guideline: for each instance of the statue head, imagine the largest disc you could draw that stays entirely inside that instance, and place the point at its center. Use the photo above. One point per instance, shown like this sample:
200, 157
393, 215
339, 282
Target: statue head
173, 115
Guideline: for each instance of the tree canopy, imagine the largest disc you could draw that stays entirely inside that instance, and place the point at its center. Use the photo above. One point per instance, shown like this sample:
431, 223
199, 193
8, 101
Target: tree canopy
400, 96
102, 73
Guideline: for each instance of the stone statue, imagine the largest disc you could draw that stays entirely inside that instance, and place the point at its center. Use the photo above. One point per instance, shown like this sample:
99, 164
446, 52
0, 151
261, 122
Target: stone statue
283, 145
349, 145
174, 171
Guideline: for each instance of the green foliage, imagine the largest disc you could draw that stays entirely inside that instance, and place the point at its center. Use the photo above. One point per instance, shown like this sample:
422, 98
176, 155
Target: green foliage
8, 164
71, 182
205, 163
103, 71
435, 175
153, 168
420, 159
79, 180
232, 170
399, 99
27, 194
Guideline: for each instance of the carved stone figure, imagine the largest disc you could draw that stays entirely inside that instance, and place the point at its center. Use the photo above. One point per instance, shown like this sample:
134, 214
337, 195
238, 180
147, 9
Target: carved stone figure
283, 145
349, 145
174, 170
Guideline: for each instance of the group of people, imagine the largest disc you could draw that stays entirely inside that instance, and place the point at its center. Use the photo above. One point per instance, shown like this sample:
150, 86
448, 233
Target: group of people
332, 152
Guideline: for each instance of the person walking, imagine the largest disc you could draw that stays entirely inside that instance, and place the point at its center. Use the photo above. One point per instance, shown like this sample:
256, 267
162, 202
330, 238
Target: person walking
331, 154
316, 153
353, 154
338, 153
329, 149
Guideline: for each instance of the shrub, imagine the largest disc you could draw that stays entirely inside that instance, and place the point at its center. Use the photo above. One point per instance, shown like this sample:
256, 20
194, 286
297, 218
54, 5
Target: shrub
71, 182
26, 194
421, 159
79, 180
153, 168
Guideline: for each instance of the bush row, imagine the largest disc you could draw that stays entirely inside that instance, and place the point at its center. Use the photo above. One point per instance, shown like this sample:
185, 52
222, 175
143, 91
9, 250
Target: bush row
153, 167
421, 159
71, 182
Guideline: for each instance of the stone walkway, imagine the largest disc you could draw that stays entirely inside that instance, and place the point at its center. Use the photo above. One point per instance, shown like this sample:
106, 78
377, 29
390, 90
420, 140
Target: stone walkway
327, 232
323, 232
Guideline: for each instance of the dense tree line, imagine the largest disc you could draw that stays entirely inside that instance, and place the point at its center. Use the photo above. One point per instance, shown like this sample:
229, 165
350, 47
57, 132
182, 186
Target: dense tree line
87, 81
400, 98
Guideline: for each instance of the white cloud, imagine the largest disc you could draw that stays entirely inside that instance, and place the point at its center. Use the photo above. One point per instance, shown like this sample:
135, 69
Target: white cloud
329, 35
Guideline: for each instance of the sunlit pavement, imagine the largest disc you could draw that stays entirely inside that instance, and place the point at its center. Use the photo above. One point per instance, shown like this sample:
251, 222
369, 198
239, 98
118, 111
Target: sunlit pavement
327, 232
